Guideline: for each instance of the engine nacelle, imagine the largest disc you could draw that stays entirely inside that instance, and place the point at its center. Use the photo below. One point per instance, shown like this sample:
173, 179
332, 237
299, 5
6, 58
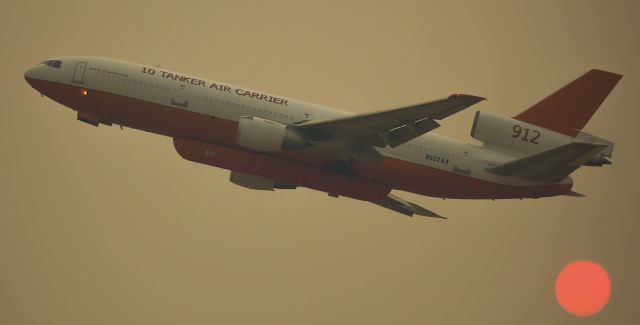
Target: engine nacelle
508, 133
501, 132
266, 135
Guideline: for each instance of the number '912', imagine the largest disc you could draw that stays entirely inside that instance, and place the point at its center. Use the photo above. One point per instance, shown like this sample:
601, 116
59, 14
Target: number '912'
525, 134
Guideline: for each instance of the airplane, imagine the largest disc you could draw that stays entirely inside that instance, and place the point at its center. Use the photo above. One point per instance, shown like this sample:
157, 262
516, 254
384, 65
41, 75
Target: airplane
271, 142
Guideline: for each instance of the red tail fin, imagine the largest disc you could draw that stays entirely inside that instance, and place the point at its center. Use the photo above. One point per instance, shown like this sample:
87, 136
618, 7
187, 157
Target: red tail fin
569, 109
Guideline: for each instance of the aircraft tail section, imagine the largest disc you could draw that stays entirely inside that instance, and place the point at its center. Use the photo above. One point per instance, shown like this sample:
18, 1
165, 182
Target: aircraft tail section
555, 121
569, 109
552, 165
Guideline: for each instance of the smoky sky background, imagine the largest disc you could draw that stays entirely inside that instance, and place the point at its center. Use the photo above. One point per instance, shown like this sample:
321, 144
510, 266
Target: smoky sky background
103, 226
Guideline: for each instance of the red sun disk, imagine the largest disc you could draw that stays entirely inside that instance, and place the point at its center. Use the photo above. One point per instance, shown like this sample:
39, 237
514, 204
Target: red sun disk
583, 288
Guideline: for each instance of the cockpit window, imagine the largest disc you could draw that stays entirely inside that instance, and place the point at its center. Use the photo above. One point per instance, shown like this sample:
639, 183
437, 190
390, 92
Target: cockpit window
52, 63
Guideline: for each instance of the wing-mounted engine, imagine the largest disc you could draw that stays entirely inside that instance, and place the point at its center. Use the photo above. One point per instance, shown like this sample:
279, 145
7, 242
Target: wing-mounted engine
266, 135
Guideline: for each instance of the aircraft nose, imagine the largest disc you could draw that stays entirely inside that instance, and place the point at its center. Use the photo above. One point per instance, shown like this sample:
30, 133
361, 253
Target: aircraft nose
30, 75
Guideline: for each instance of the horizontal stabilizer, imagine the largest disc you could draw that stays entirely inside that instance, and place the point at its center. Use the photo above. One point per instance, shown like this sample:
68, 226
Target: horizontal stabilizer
601, 158
407, 208
551, 165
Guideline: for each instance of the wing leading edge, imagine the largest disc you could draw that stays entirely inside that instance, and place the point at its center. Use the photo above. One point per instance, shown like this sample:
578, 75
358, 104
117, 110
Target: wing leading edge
392, 127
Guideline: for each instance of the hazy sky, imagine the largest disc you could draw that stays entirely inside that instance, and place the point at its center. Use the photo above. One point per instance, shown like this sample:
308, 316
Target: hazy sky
103, 226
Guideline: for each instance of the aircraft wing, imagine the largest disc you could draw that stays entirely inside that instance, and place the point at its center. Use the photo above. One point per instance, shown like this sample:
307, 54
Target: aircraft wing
393, 127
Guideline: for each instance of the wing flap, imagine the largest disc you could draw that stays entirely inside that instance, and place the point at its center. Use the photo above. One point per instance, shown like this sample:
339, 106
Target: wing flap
398, 136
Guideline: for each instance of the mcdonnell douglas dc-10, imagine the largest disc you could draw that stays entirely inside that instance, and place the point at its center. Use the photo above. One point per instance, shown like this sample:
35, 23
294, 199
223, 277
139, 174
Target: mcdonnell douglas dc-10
270, 142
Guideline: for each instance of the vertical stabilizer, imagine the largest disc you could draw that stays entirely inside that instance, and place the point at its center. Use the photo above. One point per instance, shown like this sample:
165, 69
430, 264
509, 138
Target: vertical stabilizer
569, 109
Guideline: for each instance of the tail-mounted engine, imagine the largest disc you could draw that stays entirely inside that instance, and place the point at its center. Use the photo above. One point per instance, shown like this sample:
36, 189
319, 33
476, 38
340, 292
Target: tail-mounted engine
503, 133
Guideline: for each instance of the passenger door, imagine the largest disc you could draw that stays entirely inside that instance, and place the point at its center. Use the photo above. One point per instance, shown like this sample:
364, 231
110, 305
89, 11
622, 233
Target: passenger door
78, 74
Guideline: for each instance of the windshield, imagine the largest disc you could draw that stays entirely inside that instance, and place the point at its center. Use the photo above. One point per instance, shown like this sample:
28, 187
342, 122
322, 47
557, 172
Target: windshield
52, 63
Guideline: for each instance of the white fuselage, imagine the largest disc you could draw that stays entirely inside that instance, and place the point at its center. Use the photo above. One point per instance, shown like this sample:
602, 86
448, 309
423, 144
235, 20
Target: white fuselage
229, 102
